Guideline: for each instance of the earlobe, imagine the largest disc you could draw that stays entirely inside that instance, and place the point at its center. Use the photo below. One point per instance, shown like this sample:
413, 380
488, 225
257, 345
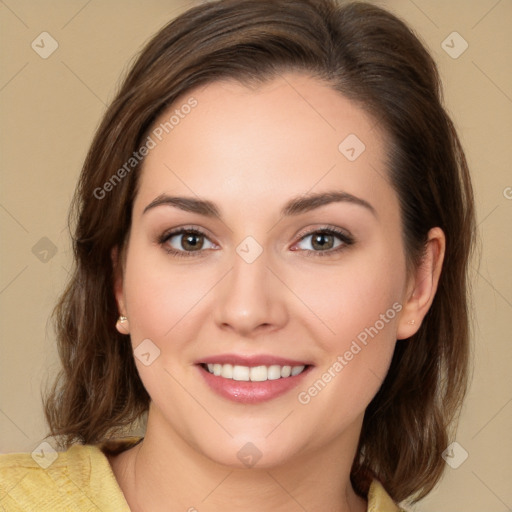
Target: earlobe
122, 325
122, 322
424, 286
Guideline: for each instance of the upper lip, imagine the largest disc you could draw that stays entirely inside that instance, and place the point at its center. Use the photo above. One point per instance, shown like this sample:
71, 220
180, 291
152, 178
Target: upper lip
252, 360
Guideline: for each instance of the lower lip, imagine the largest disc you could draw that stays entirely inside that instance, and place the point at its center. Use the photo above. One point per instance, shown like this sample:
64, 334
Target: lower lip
248, 392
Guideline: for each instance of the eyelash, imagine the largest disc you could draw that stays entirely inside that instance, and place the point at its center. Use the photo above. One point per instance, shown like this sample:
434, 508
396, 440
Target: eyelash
344, 237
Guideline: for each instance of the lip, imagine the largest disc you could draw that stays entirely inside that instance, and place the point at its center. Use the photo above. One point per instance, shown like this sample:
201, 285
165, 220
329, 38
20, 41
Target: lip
252, 360
248, 392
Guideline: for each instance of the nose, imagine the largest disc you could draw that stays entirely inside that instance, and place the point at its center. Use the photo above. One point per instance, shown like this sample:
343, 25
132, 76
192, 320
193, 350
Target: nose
251, 299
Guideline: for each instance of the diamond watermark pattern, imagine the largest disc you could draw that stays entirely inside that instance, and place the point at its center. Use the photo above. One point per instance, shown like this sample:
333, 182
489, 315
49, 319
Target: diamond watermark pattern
146, 352
454, 45
249, 454
44, 250
454, 455
45, 455
351, 147
44, 45
249, 249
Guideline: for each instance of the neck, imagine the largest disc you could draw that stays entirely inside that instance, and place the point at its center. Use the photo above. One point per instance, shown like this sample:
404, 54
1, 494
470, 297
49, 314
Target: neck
163, 469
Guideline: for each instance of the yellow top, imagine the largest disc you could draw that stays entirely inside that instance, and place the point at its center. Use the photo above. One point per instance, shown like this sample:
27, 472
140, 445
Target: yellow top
81, 480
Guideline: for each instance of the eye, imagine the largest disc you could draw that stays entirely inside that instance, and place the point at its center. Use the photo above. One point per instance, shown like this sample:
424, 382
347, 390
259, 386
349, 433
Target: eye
184, 242
190, 242
323, 242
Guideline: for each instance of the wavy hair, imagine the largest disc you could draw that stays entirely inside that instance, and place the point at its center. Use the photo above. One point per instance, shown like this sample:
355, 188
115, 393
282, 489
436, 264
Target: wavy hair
371, 57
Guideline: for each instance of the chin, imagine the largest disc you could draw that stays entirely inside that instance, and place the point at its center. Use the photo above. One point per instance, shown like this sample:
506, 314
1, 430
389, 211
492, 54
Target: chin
246, 452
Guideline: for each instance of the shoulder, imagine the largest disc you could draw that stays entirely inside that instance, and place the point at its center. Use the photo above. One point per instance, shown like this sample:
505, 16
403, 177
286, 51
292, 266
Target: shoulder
45, 480
79, 479
379, 500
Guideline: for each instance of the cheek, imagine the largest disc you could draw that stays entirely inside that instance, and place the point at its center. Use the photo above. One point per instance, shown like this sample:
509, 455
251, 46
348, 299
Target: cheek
166, 305
357, 356
158, 294
154, 300
144, 286
158, 306
355, 295
360, 304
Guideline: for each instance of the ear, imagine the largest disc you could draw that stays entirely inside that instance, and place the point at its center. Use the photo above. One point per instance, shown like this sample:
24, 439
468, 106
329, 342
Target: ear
117, 267
422, 286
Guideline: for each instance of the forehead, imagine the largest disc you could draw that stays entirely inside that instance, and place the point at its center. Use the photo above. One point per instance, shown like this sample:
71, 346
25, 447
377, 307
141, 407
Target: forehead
291, 135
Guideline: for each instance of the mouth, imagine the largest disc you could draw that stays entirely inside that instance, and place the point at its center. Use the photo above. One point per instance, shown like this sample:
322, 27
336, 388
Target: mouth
252, 380
260, 373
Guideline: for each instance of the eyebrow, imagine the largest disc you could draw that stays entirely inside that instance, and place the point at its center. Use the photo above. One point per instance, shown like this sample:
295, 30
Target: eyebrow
294, 206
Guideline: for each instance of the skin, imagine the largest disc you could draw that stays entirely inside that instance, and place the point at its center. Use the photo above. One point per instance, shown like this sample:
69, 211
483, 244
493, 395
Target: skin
250, 150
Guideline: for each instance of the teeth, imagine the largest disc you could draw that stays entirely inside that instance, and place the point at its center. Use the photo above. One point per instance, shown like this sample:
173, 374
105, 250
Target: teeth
296, 370
274, 372
286, 371
241, 372
254, 373
227, 371
258, 373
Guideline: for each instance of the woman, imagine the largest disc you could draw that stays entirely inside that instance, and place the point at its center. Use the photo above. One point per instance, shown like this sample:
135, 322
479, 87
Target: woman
273, 228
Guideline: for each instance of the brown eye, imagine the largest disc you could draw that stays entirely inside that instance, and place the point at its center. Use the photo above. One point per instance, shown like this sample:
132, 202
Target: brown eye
324, 242
184, 241
192, 241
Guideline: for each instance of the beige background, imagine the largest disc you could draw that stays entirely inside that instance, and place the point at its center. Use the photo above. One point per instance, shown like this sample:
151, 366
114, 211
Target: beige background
51, 107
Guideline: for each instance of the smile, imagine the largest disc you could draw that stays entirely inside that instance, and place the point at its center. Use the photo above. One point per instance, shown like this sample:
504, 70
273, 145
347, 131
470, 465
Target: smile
252, 379
254, 373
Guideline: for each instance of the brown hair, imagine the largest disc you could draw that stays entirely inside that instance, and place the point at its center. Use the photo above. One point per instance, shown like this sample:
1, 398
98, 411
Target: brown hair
375, 60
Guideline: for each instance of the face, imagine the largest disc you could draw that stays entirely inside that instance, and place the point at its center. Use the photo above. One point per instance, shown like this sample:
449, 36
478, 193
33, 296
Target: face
295, 265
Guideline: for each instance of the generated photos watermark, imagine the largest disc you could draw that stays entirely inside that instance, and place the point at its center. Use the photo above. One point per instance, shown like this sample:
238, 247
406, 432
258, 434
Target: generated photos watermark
152, 140
361, 341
